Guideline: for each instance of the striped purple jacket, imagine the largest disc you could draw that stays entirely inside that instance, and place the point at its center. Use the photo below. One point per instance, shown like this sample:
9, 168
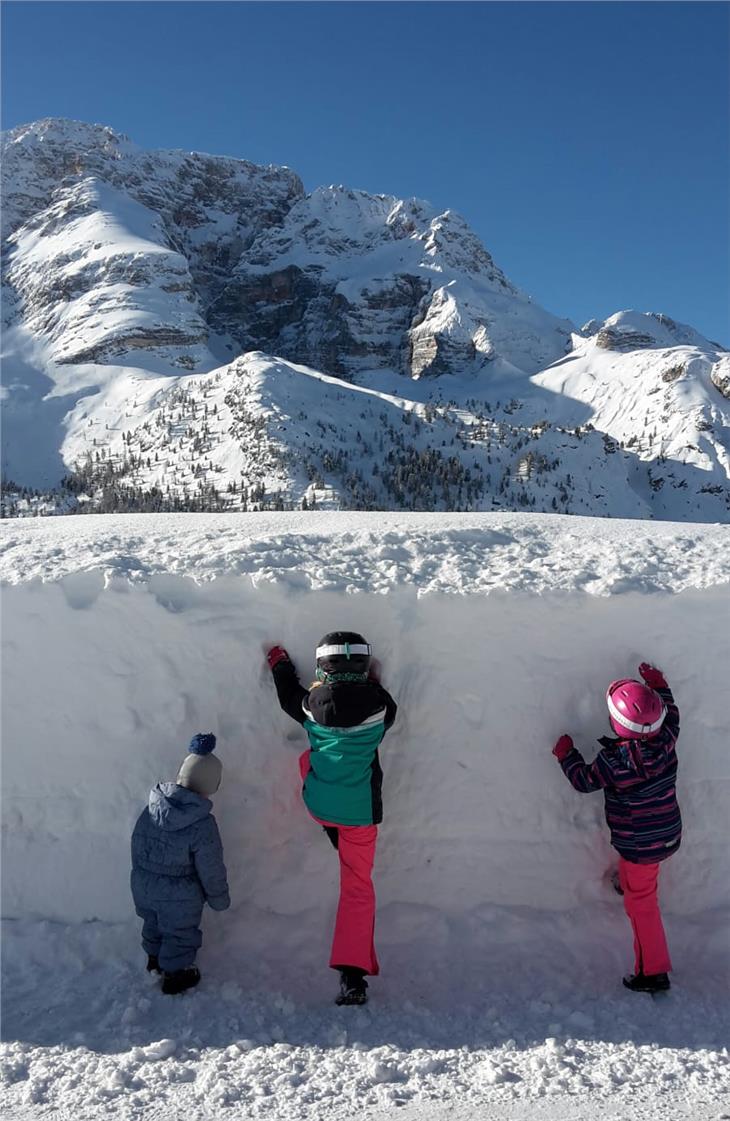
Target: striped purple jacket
638, 779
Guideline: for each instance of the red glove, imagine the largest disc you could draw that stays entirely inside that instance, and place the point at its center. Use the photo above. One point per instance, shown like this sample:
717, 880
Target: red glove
653, 677
275, 655
562, 747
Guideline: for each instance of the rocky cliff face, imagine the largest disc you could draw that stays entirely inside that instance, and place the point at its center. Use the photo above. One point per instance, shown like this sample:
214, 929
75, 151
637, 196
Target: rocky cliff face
339, 279
353, 282
202, 211
634, 330
94, 274
720, 376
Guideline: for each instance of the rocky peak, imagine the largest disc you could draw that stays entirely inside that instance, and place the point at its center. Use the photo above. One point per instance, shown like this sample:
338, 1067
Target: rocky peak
38, 158
635, 330
352, 281
212, 206
342, 280
94, 275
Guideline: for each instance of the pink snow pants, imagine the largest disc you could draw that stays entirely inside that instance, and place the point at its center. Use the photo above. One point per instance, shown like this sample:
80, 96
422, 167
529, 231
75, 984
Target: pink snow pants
639, 884
354, 937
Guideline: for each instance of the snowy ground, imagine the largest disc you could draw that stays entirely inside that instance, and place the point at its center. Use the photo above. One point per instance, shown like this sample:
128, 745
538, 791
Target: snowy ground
501, 941
379, 552
88, 1033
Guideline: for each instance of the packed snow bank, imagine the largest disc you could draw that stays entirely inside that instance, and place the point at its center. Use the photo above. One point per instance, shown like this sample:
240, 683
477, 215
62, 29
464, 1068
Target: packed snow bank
501, 941
374, 552
107, 679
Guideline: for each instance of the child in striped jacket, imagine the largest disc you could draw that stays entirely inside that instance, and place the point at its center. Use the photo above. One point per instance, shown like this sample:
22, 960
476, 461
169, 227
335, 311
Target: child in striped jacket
637, 772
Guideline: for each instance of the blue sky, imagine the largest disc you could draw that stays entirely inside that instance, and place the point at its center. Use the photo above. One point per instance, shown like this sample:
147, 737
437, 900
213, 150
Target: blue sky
587, 143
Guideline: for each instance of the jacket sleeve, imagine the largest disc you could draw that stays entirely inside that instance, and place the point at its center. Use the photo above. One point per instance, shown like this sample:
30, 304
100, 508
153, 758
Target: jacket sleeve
289, 690
209, 866
587, 777
391, 708
671, 722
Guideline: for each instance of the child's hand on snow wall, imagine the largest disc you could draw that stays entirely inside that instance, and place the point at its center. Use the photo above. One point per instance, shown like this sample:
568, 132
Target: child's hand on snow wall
562, 747
653, 677
275, 655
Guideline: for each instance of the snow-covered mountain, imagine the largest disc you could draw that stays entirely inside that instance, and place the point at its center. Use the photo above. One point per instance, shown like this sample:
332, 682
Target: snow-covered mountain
352, 282
182, 330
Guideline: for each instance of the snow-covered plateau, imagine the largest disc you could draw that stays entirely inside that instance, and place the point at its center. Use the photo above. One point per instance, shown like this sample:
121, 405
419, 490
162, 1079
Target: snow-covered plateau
184, 331
502, 942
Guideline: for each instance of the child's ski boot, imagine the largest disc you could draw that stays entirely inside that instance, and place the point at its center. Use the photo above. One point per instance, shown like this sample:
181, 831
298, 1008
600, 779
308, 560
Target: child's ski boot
180, 980
153, 965
647, 983
353, 987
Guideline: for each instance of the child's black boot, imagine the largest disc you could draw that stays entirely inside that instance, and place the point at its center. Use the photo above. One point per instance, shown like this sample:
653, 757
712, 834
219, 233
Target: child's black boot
647, 983
153, 965
353, 986
180, 980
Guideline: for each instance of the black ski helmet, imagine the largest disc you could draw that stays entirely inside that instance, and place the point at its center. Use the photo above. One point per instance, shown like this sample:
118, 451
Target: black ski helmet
343, 652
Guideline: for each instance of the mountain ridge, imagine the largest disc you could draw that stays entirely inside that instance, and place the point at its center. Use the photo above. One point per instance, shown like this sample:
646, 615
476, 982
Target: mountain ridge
188, 281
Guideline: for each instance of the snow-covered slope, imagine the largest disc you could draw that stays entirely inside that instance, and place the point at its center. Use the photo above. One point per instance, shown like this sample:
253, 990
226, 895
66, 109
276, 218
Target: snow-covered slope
660, 391
501, 941
262, 433
133, 280
96, 275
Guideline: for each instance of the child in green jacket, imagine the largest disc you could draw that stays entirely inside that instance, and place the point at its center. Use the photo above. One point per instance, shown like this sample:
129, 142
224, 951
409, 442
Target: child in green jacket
345, 714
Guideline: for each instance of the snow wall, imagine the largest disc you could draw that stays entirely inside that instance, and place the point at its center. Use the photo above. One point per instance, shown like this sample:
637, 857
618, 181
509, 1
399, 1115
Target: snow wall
105, 681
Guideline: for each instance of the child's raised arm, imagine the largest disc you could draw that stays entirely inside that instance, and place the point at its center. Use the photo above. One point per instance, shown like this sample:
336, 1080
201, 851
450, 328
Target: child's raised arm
288, 688
656, 680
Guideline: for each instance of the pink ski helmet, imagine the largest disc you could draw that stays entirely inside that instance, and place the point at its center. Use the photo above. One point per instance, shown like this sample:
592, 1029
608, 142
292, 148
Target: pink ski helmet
635, 710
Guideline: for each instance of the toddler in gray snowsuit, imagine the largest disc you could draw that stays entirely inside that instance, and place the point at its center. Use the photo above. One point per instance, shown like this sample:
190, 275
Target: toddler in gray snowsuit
177, 866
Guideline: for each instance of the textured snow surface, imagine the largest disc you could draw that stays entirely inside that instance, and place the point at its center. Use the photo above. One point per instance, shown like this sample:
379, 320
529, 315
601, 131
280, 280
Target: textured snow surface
501, 940
89, 1036
372, 552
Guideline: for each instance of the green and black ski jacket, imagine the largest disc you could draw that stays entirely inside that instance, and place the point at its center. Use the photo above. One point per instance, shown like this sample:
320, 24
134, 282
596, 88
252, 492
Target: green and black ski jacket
345, 722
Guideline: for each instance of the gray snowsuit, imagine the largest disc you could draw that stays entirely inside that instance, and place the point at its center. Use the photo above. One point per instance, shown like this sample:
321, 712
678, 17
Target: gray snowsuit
177, 866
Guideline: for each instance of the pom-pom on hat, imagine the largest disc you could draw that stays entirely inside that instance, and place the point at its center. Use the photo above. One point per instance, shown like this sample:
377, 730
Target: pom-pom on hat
202, 744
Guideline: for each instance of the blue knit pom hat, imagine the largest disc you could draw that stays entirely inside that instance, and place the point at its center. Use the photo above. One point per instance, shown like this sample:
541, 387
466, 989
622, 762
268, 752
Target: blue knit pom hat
201, 771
